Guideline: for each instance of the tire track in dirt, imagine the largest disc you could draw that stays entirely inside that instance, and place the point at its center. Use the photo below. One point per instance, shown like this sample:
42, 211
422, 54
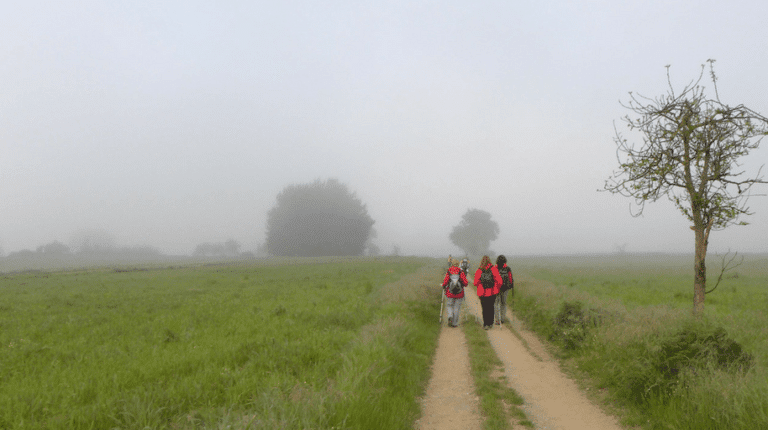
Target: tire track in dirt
450, 402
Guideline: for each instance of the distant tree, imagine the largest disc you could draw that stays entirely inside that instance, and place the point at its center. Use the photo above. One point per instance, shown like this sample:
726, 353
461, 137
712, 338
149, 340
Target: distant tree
208, 249
24, 253
93, 241
232, 247
318, 219
54, 248
475, 232
690, 153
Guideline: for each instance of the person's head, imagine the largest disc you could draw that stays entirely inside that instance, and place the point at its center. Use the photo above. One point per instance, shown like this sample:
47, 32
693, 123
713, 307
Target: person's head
501, 260
486, 261
454, 263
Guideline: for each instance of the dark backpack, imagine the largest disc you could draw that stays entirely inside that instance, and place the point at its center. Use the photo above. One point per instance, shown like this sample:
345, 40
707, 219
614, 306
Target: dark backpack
486, 278
504, 273
454, 285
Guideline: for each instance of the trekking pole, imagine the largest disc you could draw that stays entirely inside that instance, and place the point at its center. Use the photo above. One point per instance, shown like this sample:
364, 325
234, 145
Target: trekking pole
442, 302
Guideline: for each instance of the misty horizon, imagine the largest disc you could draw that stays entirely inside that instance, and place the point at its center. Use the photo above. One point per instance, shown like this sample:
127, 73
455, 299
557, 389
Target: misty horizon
171, 125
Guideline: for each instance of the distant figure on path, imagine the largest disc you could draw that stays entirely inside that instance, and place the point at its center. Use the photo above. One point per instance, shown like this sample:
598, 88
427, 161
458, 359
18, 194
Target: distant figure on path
507, 285
488, 283
453, 286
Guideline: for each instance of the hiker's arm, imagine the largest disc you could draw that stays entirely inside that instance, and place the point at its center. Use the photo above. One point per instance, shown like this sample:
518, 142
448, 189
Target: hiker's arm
496, 277
446, 279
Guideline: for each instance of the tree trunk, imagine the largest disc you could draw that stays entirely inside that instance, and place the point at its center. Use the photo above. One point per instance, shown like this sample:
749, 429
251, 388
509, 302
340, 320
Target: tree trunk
700, 269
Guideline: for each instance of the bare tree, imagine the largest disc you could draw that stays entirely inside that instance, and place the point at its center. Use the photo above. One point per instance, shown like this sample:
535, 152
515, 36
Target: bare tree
690, 152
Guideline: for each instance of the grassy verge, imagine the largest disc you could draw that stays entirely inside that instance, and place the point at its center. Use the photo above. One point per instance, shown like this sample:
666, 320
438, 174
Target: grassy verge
499, 402
624, 334
343, 343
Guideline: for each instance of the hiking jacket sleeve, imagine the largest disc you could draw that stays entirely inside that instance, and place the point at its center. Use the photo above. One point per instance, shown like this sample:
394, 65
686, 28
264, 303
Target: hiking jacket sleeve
497, 281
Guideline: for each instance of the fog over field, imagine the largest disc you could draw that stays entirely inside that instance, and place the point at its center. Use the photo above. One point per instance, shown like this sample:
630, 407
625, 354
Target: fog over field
169, 124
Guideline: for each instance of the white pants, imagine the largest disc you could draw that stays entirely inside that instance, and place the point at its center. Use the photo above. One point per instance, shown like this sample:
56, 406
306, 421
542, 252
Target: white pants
453, 309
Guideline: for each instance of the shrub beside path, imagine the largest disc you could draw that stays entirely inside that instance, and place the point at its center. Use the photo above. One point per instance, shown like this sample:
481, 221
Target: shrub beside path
552, 400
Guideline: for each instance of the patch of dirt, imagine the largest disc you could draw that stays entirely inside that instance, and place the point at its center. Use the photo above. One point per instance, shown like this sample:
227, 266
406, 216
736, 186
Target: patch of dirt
552, 400
450, 402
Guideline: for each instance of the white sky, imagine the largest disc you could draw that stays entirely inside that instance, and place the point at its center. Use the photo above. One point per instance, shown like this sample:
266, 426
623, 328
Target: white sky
173, 123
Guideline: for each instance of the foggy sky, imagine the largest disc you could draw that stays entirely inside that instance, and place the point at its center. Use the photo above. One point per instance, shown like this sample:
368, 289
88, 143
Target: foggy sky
174, 123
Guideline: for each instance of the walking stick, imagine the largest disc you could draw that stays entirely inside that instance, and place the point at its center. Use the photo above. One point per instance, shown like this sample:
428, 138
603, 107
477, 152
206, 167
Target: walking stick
442, 301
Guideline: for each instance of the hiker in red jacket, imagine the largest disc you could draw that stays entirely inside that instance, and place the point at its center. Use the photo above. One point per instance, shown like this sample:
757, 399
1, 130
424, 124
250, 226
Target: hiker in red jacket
454, 294
508, 283
488, 283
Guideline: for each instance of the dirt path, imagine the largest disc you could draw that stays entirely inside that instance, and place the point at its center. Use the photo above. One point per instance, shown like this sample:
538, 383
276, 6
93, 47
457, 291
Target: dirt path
552, 400
451, 385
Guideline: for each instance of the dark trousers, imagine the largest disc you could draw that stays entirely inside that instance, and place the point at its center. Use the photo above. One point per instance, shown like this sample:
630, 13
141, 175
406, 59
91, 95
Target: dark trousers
487, 304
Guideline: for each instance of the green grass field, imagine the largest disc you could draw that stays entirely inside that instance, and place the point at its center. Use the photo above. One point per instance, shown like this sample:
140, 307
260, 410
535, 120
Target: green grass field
623, 324
334, 343
347, 343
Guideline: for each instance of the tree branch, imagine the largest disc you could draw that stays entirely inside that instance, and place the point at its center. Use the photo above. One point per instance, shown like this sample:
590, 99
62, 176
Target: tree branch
724, 267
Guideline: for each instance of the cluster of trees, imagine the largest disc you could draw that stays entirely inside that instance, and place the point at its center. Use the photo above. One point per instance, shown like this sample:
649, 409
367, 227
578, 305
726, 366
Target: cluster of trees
322, 218
58, 249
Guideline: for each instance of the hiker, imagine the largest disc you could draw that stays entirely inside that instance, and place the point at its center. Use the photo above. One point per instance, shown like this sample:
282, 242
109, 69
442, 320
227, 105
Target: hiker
488, 283
507, 285
465, 266
454, 293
